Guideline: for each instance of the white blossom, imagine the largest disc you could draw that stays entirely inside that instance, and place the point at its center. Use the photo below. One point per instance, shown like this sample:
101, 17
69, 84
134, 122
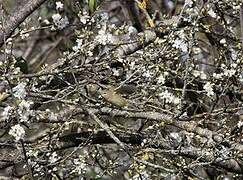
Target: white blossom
217, 76
90, 53
180, 44
223, 66
169, 97
59, 5
103, 37
203, 75
175, 135
20, 91
147, 74
144, 142
188, 2
224, 152
233, 54
24, 110
6, 112
32, 153
52, 116
46, 21
56, 18
208, 87
59, 21
234, 65
115, 72
240, 124
7, 51
241, 77
212, 13
161, 79
80, 166
222, 41
229, 72
17, 132
53, 158
132, 65
199, 73
196, 73
132, 31
84, 18
24, 34
78, 46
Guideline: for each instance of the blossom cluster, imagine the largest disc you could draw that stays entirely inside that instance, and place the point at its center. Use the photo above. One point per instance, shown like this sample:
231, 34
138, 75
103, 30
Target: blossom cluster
22, 110
17, 131
60, 21
169, 97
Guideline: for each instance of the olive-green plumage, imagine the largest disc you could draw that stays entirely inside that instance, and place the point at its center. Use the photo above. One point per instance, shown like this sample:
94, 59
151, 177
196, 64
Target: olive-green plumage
111, 96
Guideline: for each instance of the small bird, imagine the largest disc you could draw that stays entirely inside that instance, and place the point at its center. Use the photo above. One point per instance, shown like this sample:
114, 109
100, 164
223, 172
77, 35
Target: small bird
111, 96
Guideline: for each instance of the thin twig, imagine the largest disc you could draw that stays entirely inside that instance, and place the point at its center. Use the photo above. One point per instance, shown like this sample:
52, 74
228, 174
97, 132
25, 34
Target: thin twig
111, 134
26, 160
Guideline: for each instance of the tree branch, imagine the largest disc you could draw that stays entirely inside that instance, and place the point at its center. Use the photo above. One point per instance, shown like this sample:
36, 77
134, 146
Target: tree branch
15, 19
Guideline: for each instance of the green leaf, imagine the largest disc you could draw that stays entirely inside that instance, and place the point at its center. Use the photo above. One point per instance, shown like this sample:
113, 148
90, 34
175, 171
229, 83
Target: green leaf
92, 6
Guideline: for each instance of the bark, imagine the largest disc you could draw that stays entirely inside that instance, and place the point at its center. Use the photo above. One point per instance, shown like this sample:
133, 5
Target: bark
17, 17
